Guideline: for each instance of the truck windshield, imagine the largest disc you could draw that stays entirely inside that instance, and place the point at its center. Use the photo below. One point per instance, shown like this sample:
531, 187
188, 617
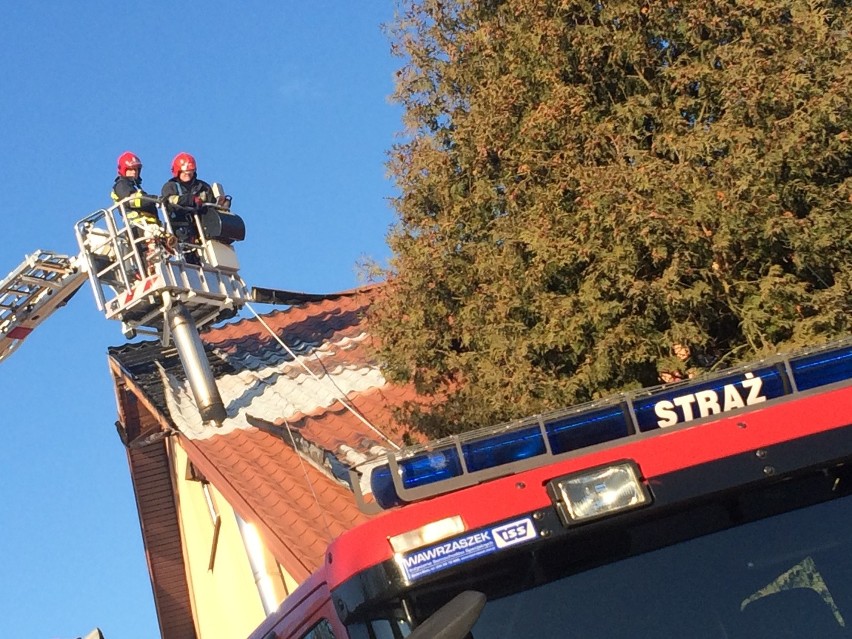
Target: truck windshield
786, 576
775, 562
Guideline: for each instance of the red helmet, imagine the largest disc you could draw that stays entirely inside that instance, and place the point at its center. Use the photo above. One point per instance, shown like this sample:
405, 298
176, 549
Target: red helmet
183, 162
128, 160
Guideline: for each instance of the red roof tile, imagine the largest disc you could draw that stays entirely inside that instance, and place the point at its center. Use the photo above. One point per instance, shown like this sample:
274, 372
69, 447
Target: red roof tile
298, 508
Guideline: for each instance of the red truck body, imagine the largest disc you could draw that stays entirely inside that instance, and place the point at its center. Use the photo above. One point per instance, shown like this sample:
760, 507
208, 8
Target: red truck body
734, 491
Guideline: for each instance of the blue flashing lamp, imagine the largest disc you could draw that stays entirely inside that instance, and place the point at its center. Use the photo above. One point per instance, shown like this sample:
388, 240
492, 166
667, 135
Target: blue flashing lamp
821, 369
504, 448
430, 467
587, 429
381, 485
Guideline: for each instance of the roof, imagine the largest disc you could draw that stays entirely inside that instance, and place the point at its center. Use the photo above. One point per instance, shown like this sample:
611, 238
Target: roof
298, 414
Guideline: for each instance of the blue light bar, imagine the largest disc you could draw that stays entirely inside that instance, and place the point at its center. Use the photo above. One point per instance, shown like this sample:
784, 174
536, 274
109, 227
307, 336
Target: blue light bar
431, 467
504, 448
442, 463
435, 466
820, 369
688, 401
587, 428
456, 462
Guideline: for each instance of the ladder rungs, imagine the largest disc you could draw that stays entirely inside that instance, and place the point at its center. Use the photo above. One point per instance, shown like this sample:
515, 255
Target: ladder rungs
57, 267
40, 281
21, 292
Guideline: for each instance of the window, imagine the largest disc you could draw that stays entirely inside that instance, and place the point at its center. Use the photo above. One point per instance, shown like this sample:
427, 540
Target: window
379, 629
320, 631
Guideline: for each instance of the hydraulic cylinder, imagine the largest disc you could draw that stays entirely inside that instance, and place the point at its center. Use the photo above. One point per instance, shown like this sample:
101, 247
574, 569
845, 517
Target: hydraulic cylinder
195, 365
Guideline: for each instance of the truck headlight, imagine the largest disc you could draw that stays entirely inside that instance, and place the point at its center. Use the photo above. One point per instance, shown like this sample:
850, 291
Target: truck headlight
598, 492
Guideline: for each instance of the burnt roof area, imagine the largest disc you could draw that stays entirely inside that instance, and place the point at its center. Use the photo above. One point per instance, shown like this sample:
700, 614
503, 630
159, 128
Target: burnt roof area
144, 359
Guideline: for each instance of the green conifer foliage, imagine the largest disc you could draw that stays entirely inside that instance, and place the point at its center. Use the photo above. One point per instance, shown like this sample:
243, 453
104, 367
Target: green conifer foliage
598, 195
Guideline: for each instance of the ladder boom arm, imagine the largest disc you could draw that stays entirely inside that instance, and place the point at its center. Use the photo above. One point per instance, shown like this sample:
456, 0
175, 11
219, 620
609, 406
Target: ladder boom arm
44, 282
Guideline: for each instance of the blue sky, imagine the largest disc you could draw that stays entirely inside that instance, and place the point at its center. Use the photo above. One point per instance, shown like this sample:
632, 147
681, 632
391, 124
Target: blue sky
287, 104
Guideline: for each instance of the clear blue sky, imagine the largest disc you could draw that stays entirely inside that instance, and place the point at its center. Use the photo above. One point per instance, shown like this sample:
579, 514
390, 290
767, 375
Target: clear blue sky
287, 104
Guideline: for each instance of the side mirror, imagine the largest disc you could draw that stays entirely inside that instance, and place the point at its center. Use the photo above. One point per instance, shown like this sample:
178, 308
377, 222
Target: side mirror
454, 619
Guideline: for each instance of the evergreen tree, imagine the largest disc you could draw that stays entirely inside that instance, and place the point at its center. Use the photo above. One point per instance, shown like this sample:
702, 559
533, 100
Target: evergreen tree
598, 195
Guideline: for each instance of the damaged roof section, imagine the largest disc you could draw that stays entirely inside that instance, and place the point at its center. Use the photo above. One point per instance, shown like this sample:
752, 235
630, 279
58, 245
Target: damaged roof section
305, 400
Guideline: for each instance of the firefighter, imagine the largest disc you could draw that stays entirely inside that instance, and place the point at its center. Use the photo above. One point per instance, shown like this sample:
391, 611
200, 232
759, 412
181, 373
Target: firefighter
141, 214
185, 196
127, 183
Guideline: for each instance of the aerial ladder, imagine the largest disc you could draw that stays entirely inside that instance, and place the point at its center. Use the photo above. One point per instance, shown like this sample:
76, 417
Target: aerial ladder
43, 283
166, 279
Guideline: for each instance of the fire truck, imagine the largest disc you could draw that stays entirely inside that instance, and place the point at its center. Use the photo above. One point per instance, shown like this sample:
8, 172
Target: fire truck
717, 507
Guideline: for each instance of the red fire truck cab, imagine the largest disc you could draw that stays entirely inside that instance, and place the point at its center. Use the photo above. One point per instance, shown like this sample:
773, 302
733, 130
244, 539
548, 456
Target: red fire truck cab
720, 507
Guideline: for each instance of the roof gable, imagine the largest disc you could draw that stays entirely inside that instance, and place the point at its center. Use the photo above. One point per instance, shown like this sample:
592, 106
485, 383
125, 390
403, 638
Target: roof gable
297, 415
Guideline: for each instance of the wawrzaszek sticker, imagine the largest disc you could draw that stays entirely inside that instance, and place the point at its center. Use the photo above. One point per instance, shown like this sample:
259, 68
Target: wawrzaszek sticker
426, 561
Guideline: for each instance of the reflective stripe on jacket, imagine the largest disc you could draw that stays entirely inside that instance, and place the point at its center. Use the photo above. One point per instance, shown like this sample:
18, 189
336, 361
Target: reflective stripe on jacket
137, 210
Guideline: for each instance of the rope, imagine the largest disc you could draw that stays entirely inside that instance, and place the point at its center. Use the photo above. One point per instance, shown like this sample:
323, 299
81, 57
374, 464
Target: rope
341, 397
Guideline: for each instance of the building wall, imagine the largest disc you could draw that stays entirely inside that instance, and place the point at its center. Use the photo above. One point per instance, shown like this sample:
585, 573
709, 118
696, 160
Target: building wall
225, 598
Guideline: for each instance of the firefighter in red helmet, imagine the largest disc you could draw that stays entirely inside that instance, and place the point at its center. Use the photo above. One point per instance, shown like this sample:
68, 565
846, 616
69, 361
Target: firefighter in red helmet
185, 197
128, 183
184, 190
138, 206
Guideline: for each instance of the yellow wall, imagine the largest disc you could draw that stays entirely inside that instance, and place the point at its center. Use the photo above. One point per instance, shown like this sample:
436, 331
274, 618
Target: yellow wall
225, 599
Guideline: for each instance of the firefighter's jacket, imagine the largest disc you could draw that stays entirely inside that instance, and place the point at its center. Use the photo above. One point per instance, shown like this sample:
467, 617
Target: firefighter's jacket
137, 210
184, 199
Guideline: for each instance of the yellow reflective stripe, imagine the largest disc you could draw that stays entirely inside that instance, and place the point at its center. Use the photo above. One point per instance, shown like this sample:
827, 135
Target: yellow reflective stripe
137, 203
137, 216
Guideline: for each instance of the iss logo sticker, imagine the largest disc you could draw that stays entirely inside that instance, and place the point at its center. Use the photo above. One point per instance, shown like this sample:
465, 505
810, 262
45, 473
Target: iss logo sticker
514, 533
432, 559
